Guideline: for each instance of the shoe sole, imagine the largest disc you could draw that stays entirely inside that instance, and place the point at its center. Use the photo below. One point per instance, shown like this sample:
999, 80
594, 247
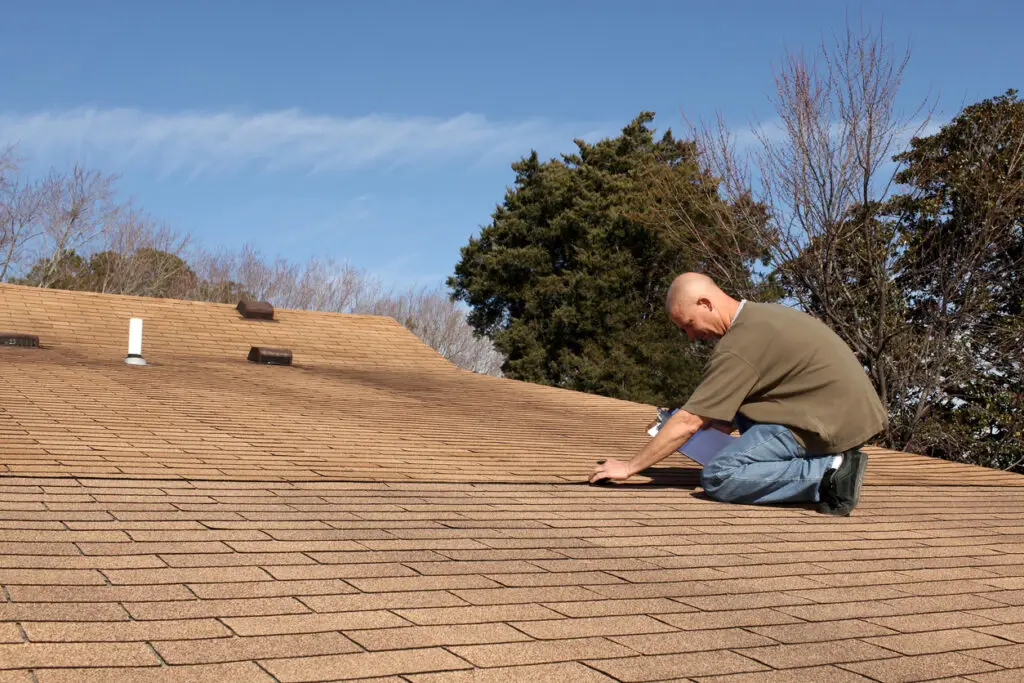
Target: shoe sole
858, 482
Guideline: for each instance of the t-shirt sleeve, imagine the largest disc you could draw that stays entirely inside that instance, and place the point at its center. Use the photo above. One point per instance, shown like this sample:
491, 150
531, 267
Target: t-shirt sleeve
728, 379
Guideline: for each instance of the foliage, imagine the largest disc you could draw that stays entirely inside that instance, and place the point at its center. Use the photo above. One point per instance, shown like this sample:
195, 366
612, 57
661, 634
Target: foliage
145, 272
569, 279
962, 220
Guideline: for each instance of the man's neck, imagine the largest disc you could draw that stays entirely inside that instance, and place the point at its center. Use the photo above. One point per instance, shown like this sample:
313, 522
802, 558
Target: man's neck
731, 309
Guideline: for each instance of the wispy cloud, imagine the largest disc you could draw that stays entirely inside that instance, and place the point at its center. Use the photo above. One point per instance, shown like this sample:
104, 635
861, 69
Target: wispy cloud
195, 143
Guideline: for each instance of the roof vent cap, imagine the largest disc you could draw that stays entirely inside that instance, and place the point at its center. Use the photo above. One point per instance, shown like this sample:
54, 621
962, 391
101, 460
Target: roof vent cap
256, 310
268, 356
134, 356
19, 339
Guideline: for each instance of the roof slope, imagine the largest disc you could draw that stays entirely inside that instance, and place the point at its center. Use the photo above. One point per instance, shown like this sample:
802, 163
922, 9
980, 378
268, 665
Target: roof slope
374, 512
365, 400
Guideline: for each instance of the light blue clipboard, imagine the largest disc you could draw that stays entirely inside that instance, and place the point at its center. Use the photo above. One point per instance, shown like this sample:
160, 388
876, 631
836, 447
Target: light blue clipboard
703, 446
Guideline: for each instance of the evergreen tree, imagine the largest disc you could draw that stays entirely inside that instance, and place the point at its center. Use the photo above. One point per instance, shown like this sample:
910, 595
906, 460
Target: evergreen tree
570, 277
962, 221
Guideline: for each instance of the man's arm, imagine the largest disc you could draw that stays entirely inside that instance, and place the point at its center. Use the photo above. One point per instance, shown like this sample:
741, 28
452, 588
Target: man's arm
673, 434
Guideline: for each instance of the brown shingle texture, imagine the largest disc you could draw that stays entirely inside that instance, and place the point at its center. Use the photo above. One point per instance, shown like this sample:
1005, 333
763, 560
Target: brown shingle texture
373, 512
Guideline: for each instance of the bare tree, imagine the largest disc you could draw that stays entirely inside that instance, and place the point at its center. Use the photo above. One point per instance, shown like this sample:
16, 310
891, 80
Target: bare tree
67, 230
75, 209
19, 211
318, 285
137, 255
808, 192
327, 285
441, 323
815, 194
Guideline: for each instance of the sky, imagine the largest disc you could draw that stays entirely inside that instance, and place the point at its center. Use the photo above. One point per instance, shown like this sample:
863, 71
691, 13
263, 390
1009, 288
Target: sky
381, 132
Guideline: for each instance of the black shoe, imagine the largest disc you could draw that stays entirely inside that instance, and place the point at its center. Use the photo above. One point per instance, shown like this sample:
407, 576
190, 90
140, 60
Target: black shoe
840, 489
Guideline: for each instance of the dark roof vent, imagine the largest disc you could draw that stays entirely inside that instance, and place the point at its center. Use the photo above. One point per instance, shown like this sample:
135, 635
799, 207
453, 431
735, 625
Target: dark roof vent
261, 354
256, 310
18, 339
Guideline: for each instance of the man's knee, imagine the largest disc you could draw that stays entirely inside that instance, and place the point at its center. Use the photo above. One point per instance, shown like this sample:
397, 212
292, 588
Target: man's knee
714, 479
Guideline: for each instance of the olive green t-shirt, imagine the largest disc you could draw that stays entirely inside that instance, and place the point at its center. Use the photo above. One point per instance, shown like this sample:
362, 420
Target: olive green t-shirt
781, 366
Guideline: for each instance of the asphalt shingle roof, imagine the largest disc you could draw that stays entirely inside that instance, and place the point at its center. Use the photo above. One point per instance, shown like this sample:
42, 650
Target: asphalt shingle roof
373, 512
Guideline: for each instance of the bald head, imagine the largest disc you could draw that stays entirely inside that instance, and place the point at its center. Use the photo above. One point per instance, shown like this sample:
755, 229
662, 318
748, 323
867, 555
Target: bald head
690, 286
696, 304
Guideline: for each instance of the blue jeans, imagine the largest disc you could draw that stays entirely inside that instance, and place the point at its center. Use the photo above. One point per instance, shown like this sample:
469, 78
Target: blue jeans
765, 465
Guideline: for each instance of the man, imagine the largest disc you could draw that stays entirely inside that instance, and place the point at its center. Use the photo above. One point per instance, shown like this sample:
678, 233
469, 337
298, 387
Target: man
798, 395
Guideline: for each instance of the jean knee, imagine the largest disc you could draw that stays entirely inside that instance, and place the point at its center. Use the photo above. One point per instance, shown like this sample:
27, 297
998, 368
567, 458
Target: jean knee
714, 479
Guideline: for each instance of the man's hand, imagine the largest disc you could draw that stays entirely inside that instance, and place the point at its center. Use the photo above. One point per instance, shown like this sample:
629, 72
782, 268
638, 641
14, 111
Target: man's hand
615, 470
673, 434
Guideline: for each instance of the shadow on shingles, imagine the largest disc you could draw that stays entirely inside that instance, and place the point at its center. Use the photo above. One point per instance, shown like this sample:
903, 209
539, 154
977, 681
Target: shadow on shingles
660, 478
700, 495
687, 478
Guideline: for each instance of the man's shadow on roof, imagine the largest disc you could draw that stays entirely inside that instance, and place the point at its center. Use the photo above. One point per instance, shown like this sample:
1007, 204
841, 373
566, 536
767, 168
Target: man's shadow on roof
683, 478
660, 478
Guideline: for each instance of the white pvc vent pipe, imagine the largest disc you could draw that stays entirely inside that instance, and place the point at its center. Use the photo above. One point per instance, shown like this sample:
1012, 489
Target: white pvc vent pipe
135, 343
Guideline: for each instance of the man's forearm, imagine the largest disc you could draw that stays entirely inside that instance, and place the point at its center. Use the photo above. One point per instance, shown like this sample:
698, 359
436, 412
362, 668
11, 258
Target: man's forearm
673, 434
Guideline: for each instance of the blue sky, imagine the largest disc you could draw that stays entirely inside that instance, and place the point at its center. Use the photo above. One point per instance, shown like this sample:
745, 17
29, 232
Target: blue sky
381, 132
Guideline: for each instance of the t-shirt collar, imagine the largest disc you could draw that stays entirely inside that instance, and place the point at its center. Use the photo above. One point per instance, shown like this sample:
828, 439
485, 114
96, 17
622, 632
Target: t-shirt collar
737, 313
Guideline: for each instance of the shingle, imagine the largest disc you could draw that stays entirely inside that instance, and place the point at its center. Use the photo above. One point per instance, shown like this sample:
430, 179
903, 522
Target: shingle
504, 596
568, 672
724, 619
102, 562
811, 633
1010, 656
98, 594
692, 641
44, 655
921, 667
478, 567
196, 609
813, 674
312, 623
268, 589
607, 608
536, 652
362, 665
237, 559
591, 626
540, 579
65, 577
212, 673
475, 615
123, 631
239, 649
936, 641
816, 654
10, 633
438, 634
422, 583
1010, 632
339, 571
934, 621
675, 666
381, 601
1005, 676
39, 611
